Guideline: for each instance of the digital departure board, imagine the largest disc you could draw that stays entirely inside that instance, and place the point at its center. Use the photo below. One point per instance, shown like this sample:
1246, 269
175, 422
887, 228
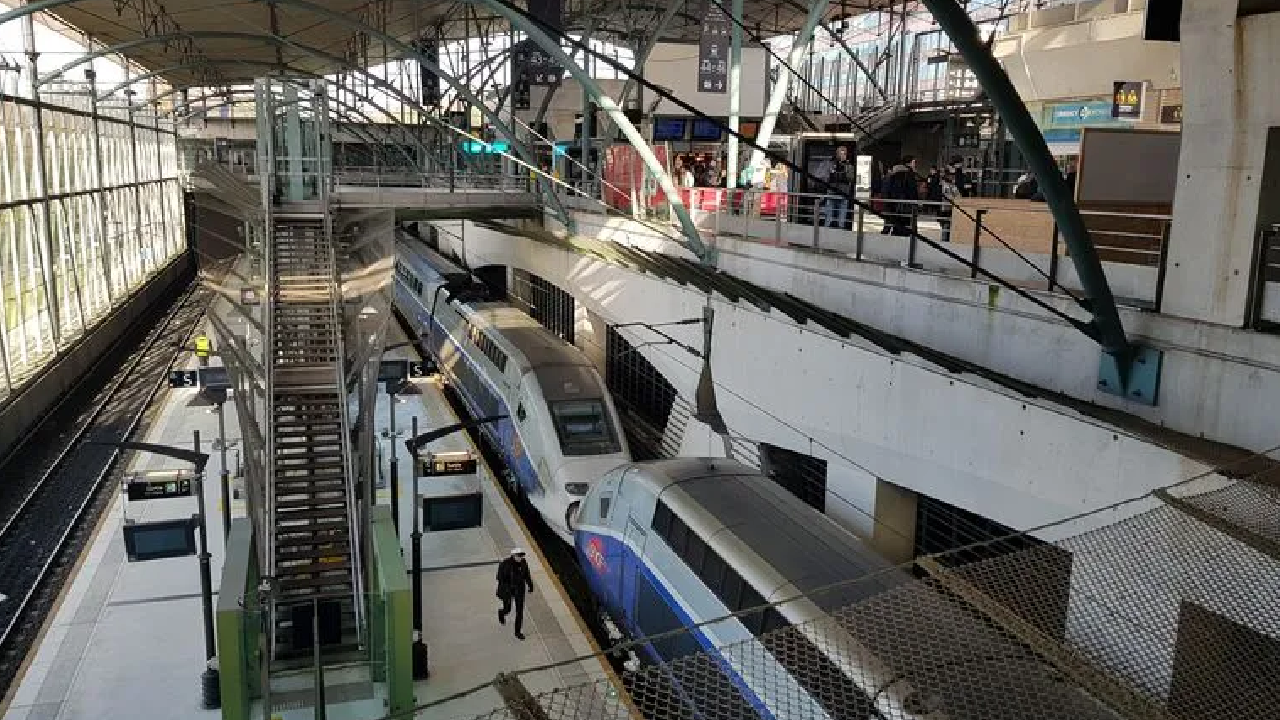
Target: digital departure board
159, 539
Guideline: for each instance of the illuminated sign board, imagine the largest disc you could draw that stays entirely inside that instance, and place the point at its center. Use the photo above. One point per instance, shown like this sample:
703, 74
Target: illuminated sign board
476, 147
447, 463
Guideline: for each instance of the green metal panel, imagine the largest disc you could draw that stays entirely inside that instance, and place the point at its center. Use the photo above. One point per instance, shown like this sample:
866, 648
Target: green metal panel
396, 626
237, 630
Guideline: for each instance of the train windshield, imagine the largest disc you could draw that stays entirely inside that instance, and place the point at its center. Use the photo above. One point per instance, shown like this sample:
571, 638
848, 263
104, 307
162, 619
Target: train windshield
583, 427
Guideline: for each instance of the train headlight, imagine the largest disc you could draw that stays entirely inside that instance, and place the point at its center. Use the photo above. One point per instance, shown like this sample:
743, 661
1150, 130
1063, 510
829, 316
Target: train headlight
571, 515
577, 489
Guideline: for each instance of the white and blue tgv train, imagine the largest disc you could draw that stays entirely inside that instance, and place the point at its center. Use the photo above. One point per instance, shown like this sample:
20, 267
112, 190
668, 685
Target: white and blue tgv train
561, 432
677, 546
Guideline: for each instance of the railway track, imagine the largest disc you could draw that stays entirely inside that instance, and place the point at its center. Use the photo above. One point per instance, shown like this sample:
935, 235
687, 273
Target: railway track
61, 481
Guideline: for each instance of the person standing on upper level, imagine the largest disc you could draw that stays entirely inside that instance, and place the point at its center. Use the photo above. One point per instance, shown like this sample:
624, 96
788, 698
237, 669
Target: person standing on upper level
838, 174
900, 186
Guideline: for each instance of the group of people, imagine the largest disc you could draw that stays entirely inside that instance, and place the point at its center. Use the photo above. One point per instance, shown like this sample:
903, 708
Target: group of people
895, 191
703, 171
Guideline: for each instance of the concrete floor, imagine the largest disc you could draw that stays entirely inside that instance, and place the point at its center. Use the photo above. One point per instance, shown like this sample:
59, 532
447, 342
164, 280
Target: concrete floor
126, 641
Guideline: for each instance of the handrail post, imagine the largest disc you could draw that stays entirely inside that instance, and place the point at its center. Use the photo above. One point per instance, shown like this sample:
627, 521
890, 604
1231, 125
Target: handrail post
977, 240
777, 218
817, 222
1163, 266
915, 232
857, 248
1053, 259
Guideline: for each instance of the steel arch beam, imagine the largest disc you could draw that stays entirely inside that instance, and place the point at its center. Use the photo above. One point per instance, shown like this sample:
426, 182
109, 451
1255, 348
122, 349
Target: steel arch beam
527, 158
516, 143
1108, 329
518, 19
121, 48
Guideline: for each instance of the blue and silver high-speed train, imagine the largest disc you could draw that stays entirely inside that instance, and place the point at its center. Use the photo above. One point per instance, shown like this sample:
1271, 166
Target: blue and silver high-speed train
562, 432
676, 546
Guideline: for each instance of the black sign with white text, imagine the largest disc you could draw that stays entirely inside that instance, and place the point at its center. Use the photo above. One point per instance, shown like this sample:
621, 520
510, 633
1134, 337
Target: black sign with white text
713, 51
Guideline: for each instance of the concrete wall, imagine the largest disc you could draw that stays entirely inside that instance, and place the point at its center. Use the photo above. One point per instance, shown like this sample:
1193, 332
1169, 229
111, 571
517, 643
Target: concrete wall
23, 410
871, 415
1099, 44
566, 104
674, 66
1229, 106
1218, 382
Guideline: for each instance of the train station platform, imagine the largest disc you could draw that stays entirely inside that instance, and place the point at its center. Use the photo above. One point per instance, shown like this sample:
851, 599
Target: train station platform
126, 639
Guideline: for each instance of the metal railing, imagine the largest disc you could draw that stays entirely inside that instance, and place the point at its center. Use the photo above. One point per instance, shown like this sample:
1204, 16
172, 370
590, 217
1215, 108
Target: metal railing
1027, 252
450, 181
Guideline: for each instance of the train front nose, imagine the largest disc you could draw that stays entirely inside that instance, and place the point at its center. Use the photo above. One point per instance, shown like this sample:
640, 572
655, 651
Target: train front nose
575, 478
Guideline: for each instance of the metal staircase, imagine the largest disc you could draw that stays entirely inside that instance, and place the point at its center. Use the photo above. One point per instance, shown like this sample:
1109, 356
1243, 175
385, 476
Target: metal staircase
311, 500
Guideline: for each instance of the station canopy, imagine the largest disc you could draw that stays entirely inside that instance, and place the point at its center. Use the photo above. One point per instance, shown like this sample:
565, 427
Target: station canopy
221, 42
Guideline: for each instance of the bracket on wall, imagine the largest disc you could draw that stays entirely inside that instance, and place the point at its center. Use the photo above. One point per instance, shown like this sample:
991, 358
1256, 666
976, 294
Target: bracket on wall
1138, 382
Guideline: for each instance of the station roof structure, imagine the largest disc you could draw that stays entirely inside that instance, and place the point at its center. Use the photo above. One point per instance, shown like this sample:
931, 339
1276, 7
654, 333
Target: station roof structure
216, 42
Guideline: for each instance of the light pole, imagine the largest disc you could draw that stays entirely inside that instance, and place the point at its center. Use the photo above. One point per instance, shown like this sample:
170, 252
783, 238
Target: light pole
412, 445
211, 694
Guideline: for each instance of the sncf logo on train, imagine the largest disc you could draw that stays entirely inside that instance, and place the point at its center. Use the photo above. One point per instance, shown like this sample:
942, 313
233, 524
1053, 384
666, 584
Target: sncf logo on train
595, 554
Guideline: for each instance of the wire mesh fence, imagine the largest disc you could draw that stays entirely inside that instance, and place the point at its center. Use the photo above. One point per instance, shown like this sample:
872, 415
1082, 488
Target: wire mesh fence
1143, 610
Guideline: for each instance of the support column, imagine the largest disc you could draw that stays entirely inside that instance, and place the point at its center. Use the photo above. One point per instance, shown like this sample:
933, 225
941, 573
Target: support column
100, 183
779, 93
1219, 204
895, 522
45, 243
735, 91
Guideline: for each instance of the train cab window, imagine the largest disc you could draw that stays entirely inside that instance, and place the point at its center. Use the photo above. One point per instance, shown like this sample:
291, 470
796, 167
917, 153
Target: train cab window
773, 620
751, 599
662, 520
712, 573
583, 427
678, 538
520, 412
605, 501
695, 554
731, 589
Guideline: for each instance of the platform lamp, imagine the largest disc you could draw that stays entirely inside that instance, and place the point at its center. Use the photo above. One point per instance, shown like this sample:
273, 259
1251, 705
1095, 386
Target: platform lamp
210, 690
412, 444
214, 387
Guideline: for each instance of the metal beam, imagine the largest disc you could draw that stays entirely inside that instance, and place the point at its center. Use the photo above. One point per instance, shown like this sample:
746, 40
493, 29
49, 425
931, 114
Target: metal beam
735, 92
519, 19
1106, 325
817, 8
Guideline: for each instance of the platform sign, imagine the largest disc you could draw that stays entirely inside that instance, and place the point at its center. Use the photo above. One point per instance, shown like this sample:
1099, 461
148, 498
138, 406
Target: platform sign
417, 369
158, 539
184, 379
452, 512
393, 371
441, 464
158, 488
215, 378
713, 51
429, 48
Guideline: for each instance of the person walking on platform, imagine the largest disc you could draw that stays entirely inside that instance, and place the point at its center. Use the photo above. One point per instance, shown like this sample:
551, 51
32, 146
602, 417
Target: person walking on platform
513, 578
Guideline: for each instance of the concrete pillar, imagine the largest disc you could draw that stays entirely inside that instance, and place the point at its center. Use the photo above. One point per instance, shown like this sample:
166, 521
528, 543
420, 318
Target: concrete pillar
895, 530
1229, 105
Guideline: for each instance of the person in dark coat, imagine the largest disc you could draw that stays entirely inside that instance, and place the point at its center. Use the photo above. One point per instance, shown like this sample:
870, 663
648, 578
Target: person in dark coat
900, 185
513, 578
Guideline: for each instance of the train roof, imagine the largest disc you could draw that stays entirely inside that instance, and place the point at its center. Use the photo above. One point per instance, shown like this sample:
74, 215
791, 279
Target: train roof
805, 547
